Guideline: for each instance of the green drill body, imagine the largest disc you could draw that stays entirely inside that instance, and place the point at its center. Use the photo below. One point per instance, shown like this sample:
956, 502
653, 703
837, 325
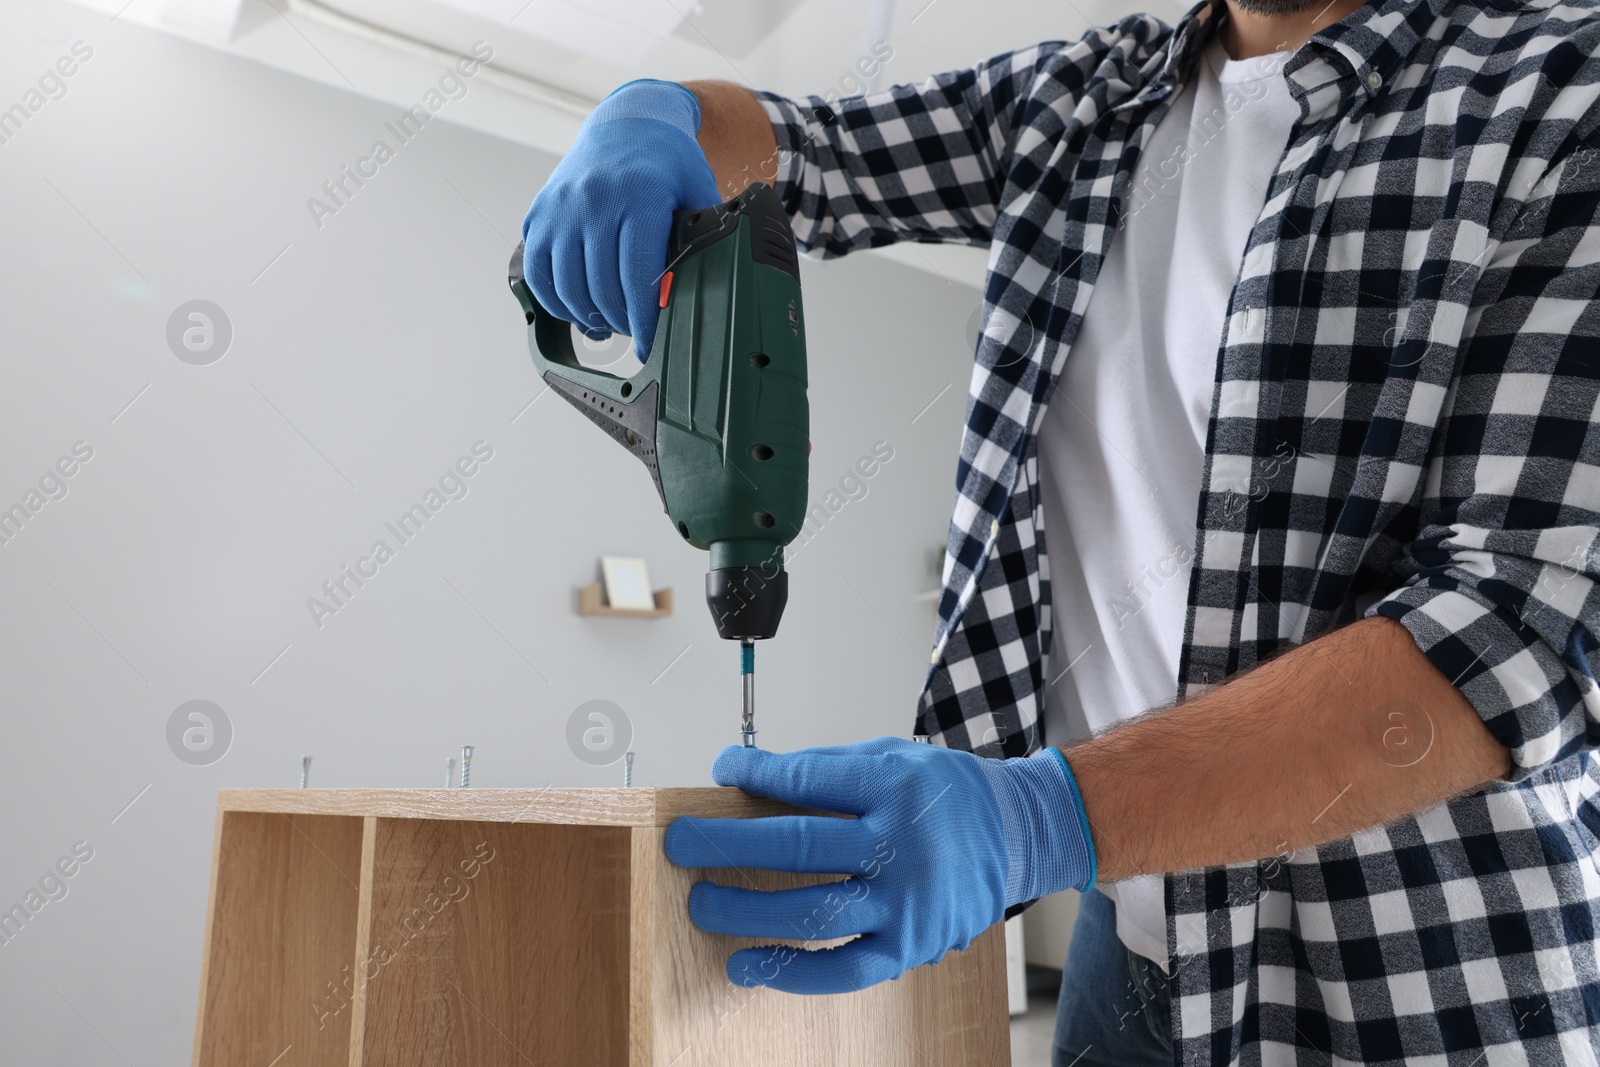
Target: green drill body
718, 414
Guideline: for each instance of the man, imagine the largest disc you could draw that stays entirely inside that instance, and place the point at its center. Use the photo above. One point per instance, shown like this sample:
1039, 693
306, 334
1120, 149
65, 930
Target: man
1290, 353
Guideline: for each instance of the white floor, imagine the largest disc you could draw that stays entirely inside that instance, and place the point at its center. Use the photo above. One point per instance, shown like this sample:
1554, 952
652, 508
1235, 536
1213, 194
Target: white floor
1031, 1033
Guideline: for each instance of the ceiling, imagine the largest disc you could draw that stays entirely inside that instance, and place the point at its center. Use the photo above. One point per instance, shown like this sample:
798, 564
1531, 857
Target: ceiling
587, 47
554, 59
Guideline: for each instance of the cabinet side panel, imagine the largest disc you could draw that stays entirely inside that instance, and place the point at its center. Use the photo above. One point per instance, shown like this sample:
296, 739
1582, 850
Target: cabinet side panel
497, 944
210, 937
281, 941
948, 1014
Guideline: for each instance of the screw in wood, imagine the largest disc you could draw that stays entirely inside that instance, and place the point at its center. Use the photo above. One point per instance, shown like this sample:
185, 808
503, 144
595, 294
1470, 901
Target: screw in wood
466, 765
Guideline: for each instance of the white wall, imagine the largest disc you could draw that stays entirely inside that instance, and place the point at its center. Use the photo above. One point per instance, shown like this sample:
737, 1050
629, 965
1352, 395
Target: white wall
365, 360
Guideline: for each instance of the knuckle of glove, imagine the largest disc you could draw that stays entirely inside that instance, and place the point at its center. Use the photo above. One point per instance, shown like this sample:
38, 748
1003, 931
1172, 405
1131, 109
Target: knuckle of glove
625, 183
810, 853
896, 773
566, 191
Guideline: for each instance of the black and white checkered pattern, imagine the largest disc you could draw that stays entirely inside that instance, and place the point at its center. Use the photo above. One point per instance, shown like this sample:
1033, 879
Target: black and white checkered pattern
1404, 424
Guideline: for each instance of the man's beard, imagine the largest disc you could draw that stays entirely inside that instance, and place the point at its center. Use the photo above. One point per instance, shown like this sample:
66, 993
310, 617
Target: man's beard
1278, 8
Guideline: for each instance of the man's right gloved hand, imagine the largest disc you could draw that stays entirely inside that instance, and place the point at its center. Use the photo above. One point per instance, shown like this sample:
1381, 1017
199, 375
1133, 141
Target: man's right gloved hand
596, 235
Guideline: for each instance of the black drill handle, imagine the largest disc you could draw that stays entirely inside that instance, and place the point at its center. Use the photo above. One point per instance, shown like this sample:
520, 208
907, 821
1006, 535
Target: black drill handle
552, 349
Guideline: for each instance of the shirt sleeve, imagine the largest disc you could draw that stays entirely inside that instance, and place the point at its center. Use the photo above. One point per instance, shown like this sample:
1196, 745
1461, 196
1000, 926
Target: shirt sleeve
912, 163
1502, 589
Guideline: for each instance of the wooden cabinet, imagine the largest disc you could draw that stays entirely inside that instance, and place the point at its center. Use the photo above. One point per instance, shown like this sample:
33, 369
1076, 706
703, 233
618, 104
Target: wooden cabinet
489, 927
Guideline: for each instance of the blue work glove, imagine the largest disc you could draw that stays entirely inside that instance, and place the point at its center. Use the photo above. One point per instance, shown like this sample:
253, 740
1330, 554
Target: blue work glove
944, 842
595, 239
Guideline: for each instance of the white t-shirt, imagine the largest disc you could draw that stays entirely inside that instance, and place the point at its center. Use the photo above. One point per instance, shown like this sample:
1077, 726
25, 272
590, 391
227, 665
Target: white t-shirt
1122, 444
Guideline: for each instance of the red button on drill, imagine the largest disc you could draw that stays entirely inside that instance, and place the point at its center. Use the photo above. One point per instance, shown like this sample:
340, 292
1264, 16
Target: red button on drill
666, 287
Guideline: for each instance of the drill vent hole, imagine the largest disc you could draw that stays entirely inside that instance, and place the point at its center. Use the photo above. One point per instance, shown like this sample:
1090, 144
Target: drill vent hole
683, 528
630, 437
760, 452
764, 520
627, 388
758, 360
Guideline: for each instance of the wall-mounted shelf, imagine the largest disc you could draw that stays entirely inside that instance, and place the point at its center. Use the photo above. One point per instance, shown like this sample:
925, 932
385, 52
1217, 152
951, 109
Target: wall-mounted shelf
591, 601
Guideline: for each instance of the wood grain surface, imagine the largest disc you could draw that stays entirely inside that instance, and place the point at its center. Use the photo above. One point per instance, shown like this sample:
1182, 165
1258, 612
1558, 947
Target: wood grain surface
496, 945
501, 927
280, 941
576, 807
363, 948
644, 848
952, 1014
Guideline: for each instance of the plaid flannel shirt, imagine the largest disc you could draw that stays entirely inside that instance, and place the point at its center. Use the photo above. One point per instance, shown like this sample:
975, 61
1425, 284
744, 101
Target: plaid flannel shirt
1403, 424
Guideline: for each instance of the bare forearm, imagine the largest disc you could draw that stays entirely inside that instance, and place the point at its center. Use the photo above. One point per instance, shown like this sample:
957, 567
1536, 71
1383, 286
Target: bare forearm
735, 135
1349, 731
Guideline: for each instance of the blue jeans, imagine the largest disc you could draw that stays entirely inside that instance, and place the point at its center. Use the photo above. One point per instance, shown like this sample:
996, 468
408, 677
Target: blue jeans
1115, 1009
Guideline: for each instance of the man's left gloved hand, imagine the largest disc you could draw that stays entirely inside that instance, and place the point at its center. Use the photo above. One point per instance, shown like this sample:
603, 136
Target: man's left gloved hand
943, 843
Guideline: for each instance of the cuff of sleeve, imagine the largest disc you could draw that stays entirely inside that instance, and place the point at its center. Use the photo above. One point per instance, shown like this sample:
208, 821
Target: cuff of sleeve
1046, 830
1514, 681
650, 98
789, 130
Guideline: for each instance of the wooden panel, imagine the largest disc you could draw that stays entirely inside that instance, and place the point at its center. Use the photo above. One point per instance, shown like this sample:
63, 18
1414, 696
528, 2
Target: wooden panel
577, 807
951, 1015
364, 955
497, 945
279, 941
644, 844
526, 926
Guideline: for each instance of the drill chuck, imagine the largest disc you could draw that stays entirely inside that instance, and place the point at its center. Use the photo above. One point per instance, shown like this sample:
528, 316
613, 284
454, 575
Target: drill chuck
747, 602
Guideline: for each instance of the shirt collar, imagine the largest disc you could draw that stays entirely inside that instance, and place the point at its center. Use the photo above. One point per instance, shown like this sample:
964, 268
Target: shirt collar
1363, 52
1195, 31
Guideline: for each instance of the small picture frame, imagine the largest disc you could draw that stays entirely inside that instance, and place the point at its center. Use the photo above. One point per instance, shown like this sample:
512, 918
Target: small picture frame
627, 583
